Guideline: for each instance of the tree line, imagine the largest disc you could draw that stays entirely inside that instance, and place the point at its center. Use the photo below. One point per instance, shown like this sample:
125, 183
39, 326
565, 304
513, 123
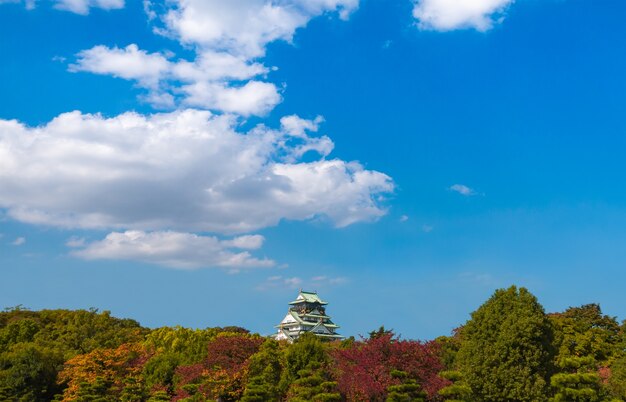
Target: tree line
509, 350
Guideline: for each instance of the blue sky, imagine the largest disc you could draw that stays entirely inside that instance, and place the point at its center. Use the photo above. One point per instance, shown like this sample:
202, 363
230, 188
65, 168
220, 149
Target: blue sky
166, 161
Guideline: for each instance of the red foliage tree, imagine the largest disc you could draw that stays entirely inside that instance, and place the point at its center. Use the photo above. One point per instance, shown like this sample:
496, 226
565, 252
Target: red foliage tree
222, 374
364, 368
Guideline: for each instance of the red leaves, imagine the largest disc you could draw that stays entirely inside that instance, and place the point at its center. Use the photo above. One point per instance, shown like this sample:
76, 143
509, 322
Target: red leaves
222, 374
230, 352
364, 369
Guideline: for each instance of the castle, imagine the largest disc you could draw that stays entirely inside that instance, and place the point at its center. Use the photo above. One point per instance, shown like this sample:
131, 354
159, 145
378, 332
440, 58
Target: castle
306, 314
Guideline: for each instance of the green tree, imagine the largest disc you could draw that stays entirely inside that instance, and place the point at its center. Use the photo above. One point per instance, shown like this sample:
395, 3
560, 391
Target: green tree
506, 352
19, 331
617, 380
457, 391
586, 340
407, 391
308, 349
585, 331
160, 370
190, 345
313, 384
264, 373
380, 332
577, 381
94, 391
28, 373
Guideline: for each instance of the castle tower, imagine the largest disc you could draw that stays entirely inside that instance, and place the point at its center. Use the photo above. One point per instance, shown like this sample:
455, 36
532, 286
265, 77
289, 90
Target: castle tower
306, 314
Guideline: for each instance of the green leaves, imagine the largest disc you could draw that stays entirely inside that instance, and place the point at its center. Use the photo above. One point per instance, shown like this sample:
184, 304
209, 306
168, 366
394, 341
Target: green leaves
506, 354
265, 372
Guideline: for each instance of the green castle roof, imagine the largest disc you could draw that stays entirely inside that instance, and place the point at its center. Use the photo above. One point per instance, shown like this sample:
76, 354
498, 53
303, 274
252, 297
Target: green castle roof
308, 297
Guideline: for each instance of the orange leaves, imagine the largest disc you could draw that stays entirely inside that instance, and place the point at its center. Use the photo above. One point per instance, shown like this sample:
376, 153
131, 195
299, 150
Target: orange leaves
112, 367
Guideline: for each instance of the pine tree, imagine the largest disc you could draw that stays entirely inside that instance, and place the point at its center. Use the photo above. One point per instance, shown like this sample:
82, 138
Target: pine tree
314, 385
308, 349
458, 391
578, 381
506, 354
264, 374
407, 391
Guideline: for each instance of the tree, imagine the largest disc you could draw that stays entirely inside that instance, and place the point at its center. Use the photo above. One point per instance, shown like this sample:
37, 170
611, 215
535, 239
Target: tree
313, 384
587, 342
28, 373
380, 332
223, 374
159, 371
506, 351
364, 368
407, 391
264, 374
307, 349
188, 345
457, 390
617, 378
577, 381
108, 374
585, 331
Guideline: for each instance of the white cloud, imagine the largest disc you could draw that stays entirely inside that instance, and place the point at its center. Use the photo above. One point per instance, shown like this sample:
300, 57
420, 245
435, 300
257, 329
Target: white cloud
296, 126
187, 171
75, 6
19, 241
28, 4
462, 189
75, 242
148, 9
253, 98
148, 69
228, 38
427, 228
129, 63
447, 15
175, 250
244, 27
202, 83
211, 65
293, 282
314, 283
404, 218
83, 6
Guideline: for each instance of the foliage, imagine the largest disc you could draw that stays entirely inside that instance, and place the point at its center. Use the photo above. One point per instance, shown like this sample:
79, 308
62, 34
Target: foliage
506, 353
588, 342
313, 384
308, 349
380, 332
407, 391
364, 370
28, 373
578, 380
35, 344
617, 378
449, 346
264, 373
585, 331
188, 345
105, 373
457, 390
223, 374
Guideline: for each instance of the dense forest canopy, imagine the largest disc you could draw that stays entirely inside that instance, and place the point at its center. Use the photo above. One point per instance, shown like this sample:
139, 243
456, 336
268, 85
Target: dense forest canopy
510, 350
